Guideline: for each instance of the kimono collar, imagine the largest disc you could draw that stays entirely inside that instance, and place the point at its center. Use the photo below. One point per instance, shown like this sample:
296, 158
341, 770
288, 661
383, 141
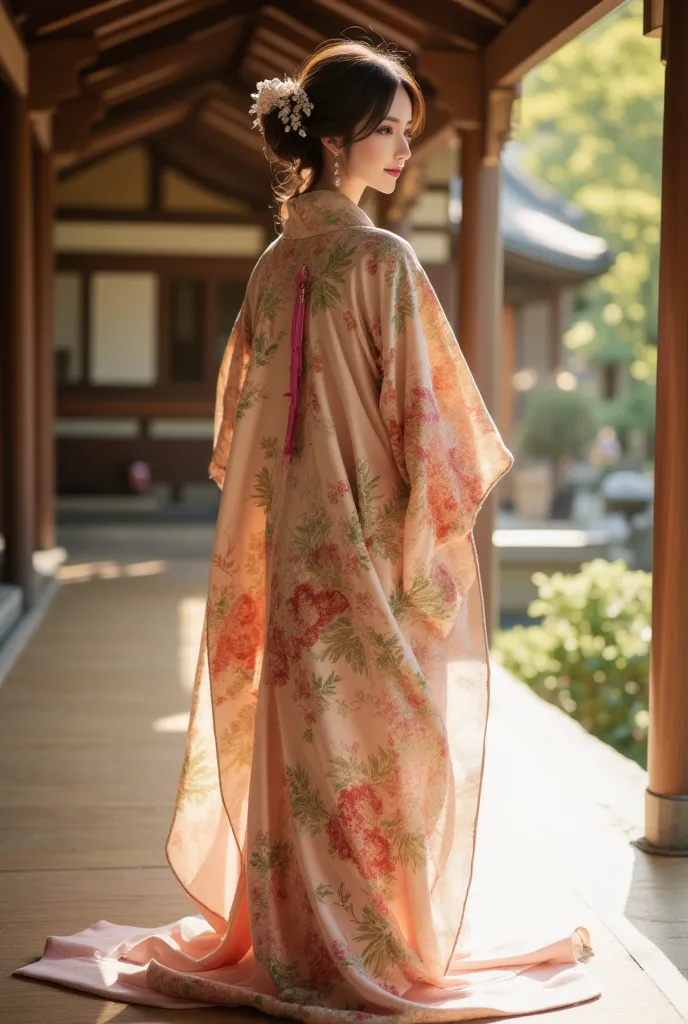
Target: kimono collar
311, 213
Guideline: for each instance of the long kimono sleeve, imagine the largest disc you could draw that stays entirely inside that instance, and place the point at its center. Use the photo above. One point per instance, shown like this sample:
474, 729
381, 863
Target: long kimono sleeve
230, 381
444, 442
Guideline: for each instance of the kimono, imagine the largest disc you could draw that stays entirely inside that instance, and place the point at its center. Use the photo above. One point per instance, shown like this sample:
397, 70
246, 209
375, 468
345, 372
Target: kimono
325, 824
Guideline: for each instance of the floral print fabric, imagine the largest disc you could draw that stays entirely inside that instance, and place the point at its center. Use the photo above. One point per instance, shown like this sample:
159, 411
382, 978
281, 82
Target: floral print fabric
328, 803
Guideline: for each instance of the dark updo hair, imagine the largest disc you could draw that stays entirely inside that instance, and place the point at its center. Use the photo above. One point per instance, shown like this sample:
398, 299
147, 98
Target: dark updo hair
349, 83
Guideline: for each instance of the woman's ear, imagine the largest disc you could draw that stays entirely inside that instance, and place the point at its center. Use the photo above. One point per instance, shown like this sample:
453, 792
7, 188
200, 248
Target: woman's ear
330, 145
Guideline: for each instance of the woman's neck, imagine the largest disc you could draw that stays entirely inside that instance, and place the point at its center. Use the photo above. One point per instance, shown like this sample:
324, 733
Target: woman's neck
351, 190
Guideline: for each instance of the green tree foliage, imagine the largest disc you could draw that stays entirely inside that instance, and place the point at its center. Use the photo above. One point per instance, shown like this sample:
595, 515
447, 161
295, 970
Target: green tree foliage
591, 127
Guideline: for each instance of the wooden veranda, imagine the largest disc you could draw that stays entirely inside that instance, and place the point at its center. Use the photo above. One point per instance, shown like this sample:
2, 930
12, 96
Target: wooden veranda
82, 78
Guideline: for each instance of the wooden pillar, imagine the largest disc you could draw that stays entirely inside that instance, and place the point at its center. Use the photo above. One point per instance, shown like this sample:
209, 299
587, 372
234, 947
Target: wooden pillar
16, 338
44, 349
666, 820
507, 369
481, 299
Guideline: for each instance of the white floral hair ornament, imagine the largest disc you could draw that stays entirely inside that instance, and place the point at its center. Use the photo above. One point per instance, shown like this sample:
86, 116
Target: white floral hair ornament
288, 95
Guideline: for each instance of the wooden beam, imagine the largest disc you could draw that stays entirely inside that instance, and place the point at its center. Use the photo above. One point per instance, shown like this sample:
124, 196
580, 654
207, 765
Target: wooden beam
653, 17
507, 369
274, 22
667, 794
497, 127
286, 45
14, 60
146, 19
53, 15
541, 28
485, 10
509, 8
128, 123
215, 117
312, 16
441, 23
72, 122
42, 125
481, 282
116, 134
17, 303
216, 168
457, 77
54, 70
43, 200
151, 63
384, 24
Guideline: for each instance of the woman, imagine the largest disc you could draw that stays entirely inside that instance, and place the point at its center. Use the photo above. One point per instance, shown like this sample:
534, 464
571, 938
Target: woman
326, 817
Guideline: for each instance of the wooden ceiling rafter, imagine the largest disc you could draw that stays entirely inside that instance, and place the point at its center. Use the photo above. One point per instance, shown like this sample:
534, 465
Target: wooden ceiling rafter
256, 67
284, 45
536, 31
221, 125
127, 123
488, 11
213, 28
366, 14
54, 69
144, 21
277, 21
55, 15
120, 82
179, 67
444, 23
225, 112
111, 137
228, 177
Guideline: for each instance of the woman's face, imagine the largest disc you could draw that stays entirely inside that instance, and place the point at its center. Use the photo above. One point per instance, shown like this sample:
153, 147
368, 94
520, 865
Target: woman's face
385, 149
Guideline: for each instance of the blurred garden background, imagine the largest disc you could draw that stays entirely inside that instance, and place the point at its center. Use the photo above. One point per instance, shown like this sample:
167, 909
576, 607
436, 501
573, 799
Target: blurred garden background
589, 126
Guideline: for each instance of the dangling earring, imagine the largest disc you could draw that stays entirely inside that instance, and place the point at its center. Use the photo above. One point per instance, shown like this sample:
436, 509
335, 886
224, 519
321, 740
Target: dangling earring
337, 181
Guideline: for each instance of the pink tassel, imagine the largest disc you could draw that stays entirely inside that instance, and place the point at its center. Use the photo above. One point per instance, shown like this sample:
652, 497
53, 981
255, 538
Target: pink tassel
297, 320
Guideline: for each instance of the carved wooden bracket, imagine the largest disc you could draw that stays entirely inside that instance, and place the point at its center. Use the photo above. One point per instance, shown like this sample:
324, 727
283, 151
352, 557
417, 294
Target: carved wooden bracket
54, 70
458, 78
460, 81
497, 129
653, 17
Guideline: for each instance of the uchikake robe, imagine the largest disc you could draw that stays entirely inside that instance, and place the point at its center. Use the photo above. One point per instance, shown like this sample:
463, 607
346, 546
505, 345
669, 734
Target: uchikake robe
325, 824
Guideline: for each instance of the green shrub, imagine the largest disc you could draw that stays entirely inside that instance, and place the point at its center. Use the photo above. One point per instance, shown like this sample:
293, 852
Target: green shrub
557, 423
590, 655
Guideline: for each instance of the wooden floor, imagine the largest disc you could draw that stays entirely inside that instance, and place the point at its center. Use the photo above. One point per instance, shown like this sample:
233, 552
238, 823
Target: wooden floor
92, 721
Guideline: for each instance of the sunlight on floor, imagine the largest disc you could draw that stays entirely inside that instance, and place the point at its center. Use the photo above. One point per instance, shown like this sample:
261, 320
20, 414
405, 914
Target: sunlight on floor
190, 615
109, 570
110, 1011
172, 723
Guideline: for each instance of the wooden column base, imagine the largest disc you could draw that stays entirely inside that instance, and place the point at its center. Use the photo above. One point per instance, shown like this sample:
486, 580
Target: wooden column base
666, 825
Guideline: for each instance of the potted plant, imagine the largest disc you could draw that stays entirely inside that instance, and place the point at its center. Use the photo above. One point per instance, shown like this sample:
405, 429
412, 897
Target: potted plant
556, 428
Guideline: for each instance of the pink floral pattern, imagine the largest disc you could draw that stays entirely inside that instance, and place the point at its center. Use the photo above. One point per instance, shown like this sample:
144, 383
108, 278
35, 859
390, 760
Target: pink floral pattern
326, 817
373, 576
